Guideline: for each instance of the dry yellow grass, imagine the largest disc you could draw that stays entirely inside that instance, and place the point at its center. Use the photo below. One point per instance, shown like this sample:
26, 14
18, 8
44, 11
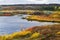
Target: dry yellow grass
49, 32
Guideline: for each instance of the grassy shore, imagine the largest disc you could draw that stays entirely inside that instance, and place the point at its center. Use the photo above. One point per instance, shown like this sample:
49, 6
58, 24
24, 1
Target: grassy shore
48, 32
42, 18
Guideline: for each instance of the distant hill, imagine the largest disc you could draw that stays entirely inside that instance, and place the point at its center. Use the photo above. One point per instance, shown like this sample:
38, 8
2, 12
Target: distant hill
50, 7
33, 5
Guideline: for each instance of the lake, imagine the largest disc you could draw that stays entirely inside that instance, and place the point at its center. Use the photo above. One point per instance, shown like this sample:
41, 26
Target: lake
11, 24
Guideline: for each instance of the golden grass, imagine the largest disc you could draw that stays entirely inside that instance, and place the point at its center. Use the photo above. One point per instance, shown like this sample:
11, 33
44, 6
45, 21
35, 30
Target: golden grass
49, 32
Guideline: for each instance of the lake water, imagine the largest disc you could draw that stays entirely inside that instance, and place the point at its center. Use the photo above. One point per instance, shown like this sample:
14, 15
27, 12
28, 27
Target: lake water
10, 24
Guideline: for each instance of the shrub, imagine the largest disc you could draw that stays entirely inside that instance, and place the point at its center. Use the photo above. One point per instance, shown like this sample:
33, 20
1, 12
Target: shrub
35, 35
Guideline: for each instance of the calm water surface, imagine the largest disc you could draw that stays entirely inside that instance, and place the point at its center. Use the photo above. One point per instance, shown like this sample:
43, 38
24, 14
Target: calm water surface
10, 24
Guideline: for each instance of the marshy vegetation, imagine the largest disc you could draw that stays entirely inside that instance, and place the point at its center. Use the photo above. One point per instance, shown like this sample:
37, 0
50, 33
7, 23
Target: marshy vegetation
44, 17
48, 32
47, 13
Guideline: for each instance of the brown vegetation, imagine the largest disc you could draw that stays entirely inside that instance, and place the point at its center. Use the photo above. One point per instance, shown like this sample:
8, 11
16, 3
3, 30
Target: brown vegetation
49, 32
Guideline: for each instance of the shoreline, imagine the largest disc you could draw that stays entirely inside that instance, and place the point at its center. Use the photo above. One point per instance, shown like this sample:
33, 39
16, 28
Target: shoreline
36, 32
42, 19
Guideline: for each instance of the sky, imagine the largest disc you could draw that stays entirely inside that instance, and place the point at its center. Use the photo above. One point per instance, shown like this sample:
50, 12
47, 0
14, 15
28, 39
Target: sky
2, 2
